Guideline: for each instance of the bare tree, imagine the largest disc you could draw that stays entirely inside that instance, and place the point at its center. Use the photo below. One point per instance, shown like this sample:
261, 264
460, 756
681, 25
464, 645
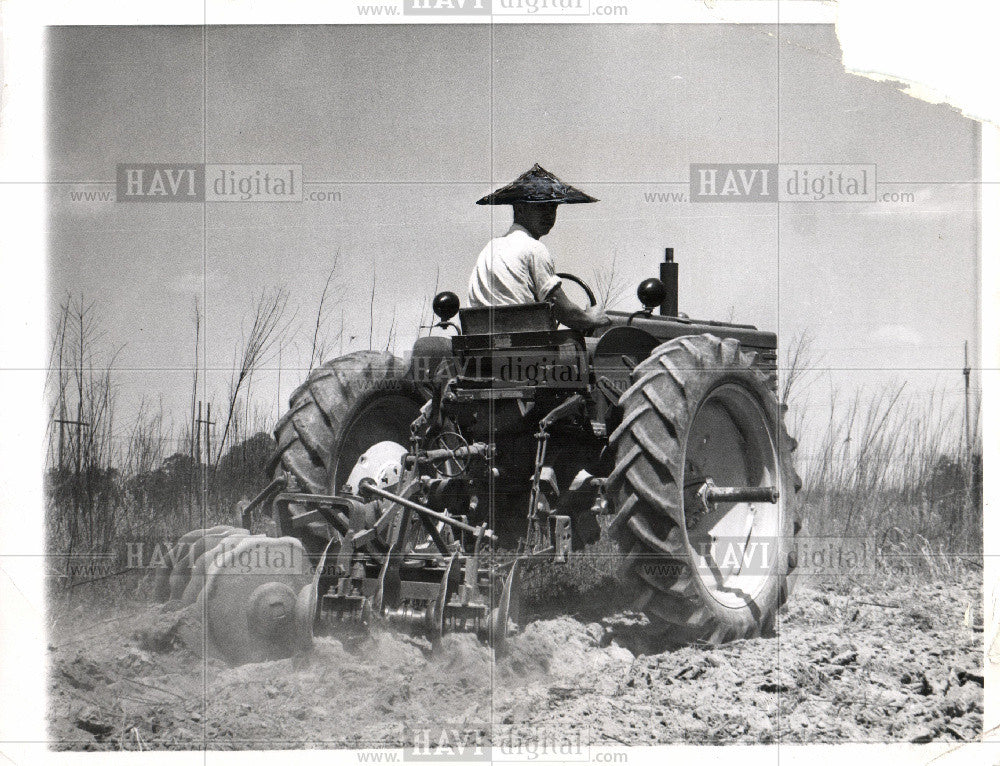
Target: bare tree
267, 330
423, 303
371, 312
610, 286
80, 480
801, 365
194, 375
321, 342
390, 343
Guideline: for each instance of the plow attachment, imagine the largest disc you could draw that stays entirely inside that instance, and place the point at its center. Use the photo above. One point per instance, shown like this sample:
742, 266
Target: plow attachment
255, 595
427, 607
390, 562
437, 573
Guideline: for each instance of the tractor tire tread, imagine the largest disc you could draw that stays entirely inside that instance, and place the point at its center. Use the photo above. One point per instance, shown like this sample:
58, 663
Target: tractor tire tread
643, 487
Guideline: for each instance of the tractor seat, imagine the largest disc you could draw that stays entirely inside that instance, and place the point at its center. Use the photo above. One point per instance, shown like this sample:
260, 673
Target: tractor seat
524, 317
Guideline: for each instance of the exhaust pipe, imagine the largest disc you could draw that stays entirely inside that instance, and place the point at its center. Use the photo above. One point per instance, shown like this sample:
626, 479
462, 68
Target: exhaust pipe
668, 275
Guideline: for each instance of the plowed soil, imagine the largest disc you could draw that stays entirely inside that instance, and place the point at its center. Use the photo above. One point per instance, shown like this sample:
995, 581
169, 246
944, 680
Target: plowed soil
887, 661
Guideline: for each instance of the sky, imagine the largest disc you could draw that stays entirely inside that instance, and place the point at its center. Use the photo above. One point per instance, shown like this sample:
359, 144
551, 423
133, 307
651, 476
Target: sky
412, 124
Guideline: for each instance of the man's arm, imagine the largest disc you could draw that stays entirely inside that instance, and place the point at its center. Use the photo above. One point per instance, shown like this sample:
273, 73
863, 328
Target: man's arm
572, 315
548, 286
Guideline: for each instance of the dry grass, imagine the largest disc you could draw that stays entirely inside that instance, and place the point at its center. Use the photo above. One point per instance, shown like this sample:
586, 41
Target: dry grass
897, 476
894, 470
112, 484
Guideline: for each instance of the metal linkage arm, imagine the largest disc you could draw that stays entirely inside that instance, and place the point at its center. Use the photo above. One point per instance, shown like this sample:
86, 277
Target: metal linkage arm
368, 487
432, 455
246, 511
560, 411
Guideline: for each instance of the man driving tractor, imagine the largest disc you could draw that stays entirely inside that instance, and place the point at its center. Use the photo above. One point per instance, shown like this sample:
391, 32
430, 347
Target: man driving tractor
392, 491
517, 268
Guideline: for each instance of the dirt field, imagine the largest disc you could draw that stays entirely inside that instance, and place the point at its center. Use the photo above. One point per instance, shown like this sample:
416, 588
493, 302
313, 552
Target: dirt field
895, 660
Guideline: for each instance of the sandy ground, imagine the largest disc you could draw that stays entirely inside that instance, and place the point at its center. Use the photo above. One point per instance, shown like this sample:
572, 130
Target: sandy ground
895, 660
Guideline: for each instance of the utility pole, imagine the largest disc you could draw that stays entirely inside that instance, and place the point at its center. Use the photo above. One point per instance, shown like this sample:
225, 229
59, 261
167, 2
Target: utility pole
208, 435
195, 497
970, 468
208, 423
79, 425
197, 437
62, 425
208, 452
967, 371
196, 441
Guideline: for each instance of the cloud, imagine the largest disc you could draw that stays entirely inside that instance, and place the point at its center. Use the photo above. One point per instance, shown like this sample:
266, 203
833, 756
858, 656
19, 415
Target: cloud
193, 282
896, 335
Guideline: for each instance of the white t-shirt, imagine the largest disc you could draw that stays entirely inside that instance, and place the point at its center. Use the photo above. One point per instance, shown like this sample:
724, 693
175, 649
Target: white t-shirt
511, 270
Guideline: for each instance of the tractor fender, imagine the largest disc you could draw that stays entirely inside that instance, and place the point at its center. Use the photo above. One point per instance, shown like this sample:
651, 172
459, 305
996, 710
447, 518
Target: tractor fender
618, 342
429, 353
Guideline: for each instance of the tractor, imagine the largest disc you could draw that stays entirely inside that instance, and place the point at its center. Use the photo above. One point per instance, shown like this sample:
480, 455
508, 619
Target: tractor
418, 492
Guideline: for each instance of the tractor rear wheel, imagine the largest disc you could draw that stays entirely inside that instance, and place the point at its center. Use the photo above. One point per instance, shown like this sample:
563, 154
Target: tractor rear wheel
343, 409
699, 410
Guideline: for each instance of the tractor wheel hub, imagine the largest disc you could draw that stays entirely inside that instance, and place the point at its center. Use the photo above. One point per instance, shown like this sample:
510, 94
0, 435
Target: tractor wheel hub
382, 463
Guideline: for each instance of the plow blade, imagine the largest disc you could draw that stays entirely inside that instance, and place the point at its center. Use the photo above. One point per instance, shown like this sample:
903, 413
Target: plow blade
459, 598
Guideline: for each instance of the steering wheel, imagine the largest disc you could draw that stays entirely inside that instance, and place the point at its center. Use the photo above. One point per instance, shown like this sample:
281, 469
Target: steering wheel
586, 288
